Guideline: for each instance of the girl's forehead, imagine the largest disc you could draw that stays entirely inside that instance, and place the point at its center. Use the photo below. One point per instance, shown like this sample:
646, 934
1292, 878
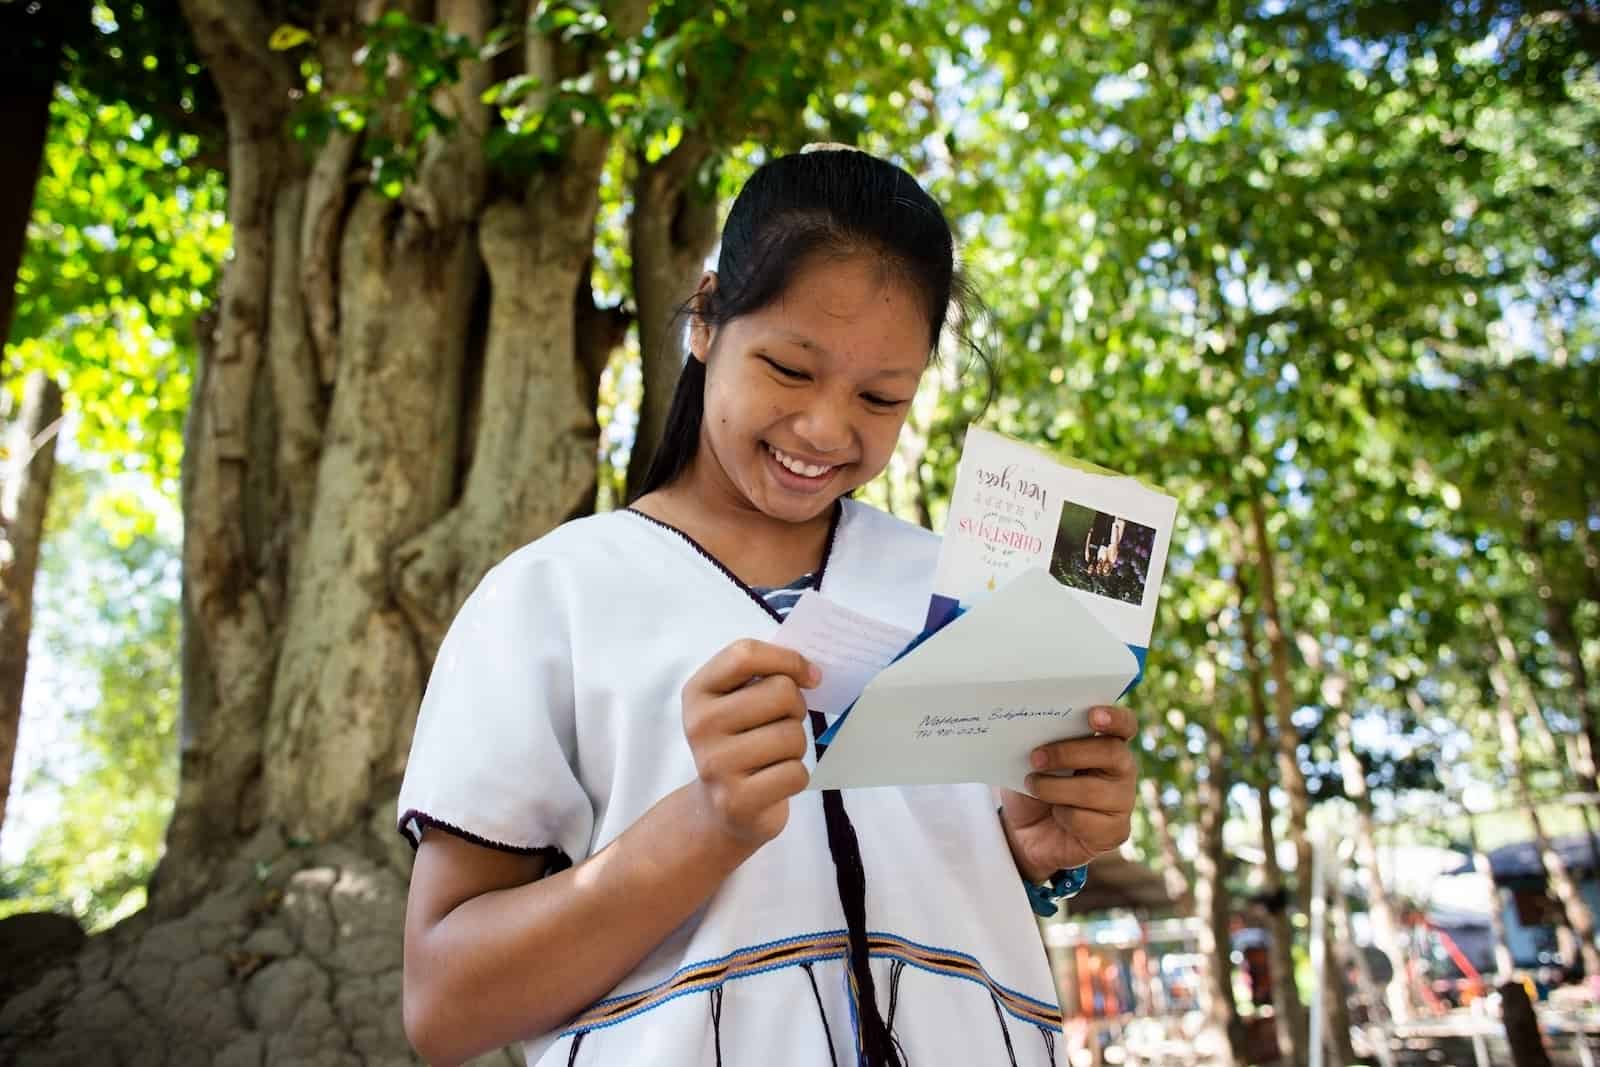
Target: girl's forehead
842, 308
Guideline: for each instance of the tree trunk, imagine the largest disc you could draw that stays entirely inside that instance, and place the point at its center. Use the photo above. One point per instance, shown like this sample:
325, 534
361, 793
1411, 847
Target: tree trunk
1173, 877
1522, 1027
1575, 756
1380, 907
1376, 1028
1386, 931
1213, 908
31, 36
669, 244
1569, 649
1503, 965
1582, 746
23, 499
1288, 1012
1334, 976
1511, 704
394, 393
1589, 552
1290, 777
1336, 998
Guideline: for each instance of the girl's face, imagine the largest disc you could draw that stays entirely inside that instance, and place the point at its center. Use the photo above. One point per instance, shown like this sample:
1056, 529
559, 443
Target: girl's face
805, 398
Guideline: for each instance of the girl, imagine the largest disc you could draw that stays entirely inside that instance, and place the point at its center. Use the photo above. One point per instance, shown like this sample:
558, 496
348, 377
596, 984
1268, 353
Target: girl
616, 863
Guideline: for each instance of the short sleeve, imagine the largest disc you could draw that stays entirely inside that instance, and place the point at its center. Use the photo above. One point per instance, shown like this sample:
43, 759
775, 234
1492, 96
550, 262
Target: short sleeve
494, 756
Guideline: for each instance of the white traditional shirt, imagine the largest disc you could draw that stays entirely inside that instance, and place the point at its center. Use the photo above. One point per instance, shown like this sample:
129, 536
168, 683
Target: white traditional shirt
553, 721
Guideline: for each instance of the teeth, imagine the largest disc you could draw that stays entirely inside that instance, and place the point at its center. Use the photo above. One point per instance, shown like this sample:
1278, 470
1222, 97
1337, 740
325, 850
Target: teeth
805, 469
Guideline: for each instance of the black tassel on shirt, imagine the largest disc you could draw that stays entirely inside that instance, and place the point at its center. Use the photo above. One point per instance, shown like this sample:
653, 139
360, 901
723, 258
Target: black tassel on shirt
1005, 1031
896, 969
877, 1043
716, 1020
827, 1031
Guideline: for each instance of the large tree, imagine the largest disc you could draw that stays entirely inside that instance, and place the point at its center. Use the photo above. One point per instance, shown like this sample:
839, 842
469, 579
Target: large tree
396, 385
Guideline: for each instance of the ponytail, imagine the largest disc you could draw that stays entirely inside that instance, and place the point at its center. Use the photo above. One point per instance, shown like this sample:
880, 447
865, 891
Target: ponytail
680, 437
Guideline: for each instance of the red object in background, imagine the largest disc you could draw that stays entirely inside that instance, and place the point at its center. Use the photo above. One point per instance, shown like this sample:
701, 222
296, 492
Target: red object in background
1113, 999
1261, 1040
1085, 984
1474, 978
1434, 1003
1258, 975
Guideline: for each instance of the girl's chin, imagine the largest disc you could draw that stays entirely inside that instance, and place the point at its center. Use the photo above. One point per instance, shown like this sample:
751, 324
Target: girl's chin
787, 508
777, 501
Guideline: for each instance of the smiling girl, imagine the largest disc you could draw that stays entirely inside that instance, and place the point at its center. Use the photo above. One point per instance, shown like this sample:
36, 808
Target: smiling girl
616, 862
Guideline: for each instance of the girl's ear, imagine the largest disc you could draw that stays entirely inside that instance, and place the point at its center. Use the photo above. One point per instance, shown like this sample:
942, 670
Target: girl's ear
701, 332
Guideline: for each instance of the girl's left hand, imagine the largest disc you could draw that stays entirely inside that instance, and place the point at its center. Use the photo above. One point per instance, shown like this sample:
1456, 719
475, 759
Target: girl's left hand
1071, 819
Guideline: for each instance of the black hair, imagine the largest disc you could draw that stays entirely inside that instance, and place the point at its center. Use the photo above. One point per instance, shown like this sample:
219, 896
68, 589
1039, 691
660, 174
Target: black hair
832, 202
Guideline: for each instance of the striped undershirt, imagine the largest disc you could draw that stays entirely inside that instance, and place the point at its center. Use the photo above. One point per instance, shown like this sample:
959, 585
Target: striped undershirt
782, 598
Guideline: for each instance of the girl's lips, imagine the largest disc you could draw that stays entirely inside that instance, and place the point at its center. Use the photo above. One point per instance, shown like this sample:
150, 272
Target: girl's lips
798, 482
804, 467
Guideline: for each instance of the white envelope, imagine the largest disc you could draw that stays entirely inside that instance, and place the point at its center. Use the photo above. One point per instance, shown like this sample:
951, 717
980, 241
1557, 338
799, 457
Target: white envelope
1018, 670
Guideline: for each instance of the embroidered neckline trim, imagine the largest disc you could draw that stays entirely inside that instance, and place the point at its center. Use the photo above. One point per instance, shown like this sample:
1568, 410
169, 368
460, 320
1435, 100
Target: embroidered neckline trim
822, 568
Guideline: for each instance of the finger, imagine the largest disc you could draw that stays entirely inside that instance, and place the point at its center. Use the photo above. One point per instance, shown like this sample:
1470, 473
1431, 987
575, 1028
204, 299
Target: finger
1094, 830
1086, 792
1113, 721
751, 752
743, 660
759, 805
1109, 756
707, 719
765, 700
777, 782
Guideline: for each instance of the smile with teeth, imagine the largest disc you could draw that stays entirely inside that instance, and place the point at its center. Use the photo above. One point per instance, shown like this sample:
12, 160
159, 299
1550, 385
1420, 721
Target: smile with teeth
795, 466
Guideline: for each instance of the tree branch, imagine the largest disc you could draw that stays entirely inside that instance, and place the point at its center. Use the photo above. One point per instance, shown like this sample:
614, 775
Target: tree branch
26, 494
599, 332
327, 193
670, 233
452, 179
254, 81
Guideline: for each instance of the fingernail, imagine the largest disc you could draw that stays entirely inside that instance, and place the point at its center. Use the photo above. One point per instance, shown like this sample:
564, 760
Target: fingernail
815, 674
1039, 759
1099, 718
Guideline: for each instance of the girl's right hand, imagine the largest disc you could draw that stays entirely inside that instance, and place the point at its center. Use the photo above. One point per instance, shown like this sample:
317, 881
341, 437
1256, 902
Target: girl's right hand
744, 716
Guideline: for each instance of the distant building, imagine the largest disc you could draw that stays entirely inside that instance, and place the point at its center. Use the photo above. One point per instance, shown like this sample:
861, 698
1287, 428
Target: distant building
1530, 911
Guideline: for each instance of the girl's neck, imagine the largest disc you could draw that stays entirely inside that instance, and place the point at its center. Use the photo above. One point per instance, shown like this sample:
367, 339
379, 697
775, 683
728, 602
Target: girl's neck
759, 549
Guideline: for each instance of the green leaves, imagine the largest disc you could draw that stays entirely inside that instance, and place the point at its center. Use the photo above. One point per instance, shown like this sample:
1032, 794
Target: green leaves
287, 37
123, 251
1227, 254
569, 20
107, 617
400, 68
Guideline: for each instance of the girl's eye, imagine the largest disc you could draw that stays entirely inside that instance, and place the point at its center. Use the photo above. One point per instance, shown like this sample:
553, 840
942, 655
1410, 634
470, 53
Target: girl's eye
881, 401
787, 372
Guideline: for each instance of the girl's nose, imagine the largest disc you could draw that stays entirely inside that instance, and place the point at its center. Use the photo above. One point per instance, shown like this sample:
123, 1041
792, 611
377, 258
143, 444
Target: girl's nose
824, 428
